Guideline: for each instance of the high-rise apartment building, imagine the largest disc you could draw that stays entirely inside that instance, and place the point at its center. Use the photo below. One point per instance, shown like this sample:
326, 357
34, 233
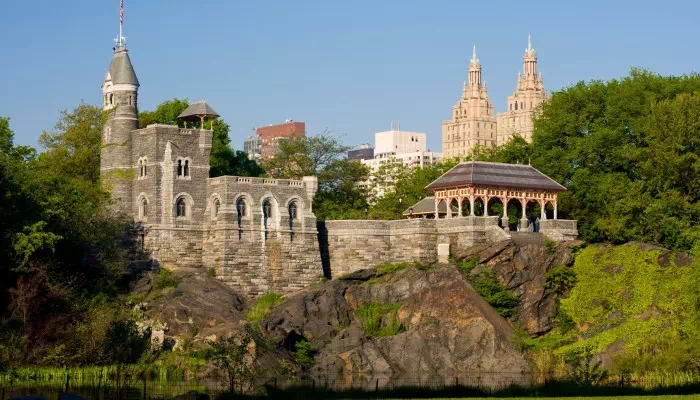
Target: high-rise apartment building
269, 136
529, 94
251, 145
473, 122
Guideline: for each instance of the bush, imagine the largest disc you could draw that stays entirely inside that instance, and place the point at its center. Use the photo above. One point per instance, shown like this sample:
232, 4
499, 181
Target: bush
164, 279
467, 265
496, 295
380, 320
304, 353
550, 246
263, 305
560, 280
211, 272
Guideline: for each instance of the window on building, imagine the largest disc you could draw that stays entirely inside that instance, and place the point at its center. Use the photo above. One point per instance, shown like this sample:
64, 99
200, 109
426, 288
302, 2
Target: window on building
516, 106
293, 211
111, 99
181, 207
217, 206
143, 208
179, 167
267, 213
240, 210
186, 169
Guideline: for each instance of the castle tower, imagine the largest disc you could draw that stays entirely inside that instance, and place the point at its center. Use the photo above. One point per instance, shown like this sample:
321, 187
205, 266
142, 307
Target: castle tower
120, 99
473, 122
524, 102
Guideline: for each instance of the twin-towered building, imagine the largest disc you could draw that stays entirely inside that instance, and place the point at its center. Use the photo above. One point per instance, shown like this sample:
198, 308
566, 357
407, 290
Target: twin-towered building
474, 122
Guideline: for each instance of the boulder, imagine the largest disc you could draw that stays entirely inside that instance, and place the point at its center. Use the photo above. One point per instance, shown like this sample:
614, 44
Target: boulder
316, 313
522, 268
449, 329
199, 307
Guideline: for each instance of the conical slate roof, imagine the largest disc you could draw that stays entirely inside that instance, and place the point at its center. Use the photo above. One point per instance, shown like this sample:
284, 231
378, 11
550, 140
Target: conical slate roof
121, 71
196, 110
496, 174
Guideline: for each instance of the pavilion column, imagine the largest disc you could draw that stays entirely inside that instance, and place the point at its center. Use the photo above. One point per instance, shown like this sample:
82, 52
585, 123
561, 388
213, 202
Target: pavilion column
555, 209
459, 204
471, 206
523, 217
449, 207
504, 219
485, 199
437, 214
543, 210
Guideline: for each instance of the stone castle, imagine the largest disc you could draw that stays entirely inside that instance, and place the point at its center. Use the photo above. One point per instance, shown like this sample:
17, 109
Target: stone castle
254, 234
474, 122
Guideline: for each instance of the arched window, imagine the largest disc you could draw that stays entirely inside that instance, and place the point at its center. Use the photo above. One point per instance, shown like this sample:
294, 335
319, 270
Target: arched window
516, 106
181, 207
179, 167
145, 167
267, 213
186, 169
240, 209
293, 211
217, 206
111, 99
143, 208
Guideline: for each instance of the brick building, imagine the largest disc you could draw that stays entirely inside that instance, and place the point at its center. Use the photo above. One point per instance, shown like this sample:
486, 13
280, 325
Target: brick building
269, 136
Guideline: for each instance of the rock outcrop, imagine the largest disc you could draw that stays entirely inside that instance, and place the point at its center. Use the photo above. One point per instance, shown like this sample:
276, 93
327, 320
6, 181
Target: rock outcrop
448, 328
522, 268
198, 307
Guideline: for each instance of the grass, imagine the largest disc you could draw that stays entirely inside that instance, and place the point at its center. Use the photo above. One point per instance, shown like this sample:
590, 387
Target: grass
379, 320
263, 305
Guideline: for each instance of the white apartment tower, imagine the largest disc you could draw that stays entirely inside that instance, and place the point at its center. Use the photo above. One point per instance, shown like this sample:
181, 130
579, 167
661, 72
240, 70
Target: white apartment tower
524, 102
473, 122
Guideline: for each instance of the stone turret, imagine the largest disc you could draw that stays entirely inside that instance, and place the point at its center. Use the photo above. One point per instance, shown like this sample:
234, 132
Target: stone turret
120, 99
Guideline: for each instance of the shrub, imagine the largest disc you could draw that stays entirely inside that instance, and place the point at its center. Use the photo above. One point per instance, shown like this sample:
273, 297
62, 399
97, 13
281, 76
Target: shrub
304, 353
211, 272
380, 320
550, 246
263, 305
164, 279
496, 295
467, 265
560, 280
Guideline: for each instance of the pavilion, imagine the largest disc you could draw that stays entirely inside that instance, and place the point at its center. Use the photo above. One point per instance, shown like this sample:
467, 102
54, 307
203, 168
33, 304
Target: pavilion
479, 181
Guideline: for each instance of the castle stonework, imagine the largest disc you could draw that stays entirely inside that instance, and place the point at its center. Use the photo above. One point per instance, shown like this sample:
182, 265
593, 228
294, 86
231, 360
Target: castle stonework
257, 234
254, 234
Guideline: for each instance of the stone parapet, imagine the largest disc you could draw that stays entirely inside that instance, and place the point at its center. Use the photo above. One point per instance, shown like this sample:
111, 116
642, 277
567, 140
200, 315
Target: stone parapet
348, 246
559, 229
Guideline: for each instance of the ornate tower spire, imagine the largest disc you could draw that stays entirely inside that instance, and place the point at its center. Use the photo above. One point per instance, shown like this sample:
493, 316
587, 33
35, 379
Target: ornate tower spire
530, 61
474, 70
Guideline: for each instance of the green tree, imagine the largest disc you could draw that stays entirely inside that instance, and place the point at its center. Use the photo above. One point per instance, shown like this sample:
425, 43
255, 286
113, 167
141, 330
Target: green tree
627, 152
304, 156
224, 160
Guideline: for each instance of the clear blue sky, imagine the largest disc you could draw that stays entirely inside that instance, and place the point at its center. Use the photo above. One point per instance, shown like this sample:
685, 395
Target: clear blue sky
351, 67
